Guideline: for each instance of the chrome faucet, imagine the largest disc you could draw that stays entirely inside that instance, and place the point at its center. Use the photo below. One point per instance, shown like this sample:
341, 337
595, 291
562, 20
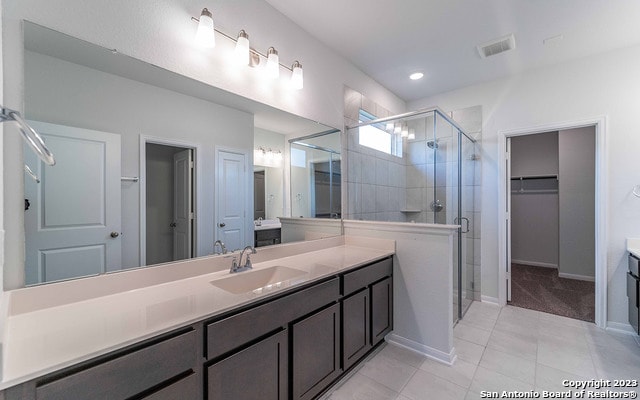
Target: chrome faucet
223, 248
236, 265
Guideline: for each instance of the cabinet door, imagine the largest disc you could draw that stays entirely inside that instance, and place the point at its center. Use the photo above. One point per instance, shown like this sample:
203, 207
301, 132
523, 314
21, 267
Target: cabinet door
355, 327
316, 352
381, 309
258, 372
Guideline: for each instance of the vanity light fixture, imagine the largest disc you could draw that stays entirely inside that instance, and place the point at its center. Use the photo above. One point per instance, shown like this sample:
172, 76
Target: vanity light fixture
244, 54
29, 134
296, 76
273, 63
242, 50
205, 35
405, 131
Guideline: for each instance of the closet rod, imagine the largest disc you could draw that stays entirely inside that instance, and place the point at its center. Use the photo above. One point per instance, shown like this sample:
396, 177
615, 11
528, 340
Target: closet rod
525, 177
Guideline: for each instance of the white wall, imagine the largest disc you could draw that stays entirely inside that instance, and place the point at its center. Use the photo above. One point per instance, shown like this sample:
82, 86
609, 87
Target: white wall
601, 85
577, 202
534, 216
64, 93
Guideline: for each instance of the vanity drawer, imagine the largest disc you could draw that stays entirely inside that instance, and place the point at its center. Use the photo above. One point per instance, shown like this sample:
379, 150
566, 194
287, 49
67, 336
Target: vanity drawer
356, 280
126, 375
239, 329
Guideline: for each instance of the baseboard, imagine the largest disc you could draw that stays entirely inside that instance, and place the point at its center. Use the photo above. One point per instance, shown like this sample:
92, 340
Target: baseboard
577, 277
618, 327
429, 352
534, 263
488, 299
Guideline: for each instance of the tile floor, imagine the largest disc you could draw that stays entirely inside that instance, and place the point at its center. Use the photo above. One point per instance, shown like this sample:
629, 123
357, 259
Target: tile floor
498, 349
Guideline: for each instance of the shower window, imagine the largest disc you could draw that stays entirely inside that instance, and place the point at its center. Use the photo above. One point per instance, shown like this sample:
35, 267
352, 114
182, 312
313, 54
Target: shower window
376, 137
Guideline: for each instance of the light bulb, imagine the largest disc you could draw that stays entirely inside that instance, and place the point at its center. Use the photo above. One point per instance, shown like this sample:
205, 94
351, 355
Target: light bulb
397, 128
296, 76
273, 64
241, 52
389, 126
412, 134
405, 131
205, 35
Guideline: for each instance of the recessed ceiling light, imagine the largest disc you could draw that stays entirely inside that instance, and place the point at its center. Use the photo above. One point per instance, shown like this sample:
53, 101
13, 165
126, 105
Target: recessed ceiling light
416, 75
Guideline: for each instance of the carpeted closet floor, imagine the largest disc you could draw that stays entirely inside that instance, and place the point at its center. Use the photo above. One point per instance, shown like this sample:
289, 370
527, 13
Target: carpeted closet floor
539, 288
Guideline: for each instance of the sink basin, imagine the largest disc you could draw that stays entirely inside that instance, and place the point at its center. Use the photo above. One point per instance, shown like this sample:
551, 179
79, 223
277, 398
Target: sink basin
259, 280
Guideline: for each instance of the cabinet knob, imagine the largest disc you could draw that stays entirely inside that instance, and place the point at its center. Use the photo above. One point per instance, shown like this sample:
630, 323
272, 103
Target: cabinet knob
114, 234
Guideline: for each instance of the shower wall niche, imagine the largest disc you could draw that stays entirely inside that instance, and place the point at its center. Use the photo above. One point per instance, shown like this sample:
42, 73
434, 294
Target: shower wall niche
419, 167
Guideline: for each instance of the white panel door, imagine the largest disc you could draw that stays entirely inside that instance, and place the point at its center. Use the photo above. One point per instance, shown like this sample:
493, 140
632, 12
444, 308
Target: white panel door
231, 199
182, 204
72, 227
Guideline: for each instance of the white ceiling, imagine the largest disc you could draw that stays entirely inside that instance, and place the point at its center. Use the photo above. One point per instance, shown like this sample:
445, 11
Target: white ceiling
389, 39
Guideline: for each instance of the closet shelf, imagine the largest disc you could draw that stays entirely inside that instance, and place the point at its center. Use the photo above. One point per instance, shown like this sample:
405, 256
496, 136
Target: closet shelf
526, 177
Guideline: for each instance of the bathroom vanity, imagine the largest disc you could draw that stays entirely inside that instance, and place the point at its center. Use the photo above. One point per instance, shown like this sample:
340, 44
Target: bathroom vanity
318, 309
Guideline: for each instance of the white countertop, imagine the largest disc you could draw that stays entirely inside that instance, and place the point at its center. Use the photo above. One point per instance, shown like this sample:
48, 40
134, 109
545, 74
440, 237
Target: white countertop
633, 246
41, 339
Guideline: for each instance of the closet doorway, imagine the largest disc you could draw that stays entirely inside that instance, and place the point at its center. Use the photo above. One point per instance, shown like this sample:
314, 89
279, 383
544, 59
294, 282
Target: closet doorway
552, 203
169, 203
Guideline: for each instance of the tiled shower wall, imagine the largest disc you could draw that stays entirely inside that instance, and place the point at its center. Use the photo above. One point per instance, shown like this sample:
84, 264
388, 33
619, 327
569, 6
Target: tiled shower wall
382, 187
375, 181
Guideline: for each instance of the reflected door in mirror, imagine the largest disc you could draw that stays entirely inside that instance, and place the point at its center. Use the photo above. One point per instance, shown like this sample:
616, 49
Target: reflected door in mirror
72, 228
231, 188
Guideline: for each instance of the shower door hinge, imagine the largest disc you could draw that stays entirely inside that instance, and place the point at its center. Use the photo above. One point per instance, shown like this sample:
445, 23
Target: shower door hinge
506, 155
191, 164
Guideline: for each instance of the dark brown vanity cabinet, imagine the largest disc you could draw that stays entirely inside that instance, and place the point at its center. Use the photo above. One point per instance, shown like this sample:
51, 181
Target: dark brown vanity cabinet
292, 346
367, 309
257, 372
315, 348
154, 370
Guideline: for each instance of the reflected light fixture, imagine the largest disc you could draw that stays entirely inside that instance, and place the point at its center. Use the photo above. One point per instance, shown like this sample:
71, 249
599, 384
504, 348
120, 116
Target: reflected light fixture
389, 126
405, 131
241, 52
416, 75
397, 128
296, 76
205, 35
412, 134
273, 64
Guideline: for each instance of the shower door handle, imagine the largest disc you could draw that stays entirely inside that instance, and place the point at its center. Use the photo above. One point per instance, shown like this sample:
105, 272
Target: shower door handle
466, 229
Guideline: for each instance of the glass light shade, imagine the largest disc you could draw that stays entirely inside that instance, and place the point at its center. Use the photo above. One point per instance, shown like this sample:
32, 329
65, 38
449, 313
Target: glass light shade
296, 76
397, 128
411, 136
273, 64
405, 131
389, 126
241, 52
205, 35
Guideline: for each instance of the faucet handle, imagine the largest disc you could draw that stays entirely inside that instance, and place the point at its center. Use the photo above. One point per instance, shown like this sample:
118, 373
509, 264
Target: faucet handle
234, 264
248, 263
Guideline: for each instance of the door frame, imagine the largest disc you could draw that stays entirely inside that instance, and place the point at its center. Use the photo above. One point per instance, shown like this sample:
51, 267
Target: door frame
600, 124
197, 229
248, 202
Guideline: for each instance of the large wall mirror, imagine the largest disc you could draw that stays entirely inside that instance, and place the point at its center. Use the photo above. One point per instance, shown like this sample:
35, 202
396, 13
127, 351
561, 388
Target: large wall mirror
152, 166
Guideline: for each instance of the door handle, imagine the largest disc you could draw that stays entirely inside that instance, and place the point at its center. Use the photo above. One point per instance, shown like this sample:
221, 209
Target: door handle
114, 235
173, 225
222, 224
465, 219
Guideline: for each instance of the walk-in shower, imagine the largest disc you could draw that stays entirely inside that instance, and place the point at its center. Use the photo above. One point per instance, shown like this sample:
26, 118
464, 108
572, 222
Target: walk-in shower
418, 167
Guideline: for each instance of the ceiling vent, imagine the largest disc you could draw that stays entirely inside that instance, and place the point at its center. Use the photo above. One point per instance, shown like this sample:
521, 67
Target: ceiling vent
497, 46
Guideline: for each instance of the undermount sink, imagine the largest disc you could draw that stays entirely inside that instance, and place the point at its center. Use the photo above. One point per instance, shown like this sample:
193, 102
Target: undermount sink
258, 280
